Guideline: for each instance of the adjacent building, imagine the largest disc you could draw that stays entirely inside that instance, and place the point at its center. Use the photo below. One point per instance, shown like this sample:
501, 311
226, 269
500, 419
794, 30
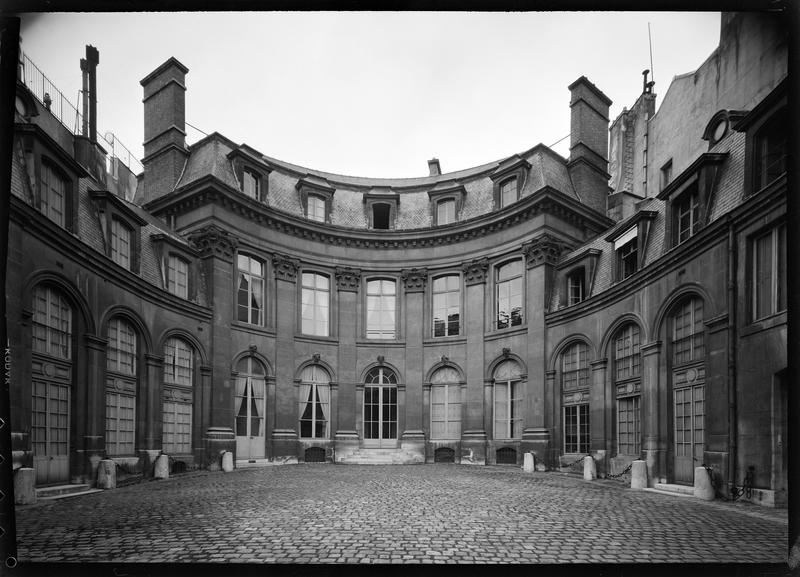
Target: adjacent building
626, 302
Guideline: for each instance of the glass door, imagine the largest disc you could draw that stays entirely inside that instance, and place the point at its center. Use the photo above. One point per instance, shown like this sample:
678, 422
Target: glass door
380, 416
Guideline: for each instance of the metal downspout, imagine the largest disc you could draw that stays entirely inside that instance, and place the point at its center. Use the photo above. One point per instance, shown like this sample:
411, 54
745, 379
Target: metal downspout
732, 305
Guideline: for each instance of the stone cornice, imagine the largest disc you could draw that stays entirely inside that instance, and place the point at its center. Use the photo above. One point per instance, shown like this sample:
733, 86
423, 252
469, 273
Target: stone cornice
475, 271
212, 240
348, 279
546, 200
285, 267
414, 279
544, 249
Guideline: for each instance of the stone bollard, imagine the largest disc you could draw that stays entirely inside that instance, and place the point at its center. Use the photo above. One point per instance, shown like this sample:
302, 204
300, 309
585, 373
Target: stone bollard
161, 468
529, 465
227, 461
107, 474
589, 469
639, 474
703, 487
24, 486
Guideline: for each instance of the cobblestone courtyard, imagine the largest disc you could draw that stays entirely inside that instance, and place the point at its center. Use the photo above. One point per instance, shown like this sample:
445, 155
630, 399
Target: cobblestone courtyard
395, 514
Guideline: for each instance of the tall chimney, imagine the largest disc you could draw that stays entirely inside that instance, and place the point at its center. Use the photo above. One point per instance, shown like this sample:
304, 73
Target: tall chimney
588, 149
85, 92
164, 128
92, 60
433, 167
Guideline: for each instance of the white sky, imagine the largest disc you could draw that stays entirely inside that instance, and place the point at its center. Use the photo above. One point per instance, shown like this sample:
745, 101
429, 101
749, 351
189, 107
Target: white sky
371, 93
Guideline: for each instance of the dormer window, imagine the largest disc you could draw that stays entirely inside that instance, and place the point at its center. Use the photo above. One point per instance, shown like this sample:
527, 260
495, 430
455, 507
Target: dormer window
316, 208
627, 259
121, 243
381, 210
576, 287
380, 215
53, 194
251, 184
446, 211
177, 276
687, 220
508, 192
770, 144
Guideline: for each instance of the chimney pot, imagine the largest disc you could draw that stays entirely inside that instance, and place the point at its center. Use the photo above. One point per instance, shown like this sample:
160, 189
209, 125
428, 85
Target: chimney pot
433, 167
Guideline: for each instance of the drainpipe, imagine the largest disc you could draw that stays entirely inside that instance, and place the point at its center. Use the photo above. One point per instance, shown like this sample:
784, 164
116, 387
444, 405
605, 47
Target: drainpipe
732, 305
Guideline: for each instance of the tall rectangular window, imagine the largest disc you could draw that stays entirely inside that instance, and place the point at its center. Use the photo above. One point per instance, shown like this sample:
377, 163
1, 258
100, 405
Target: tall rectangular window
53, 195
178, 276
120, 243
250, 296
120, 423
251, 184
52, 323
315, 295
381, 309
177, 428
121, 351
687, 343
575, 367
769, 272
628, 426
576, 428
446, 411
627, 359
771, 146
666, 174
446, 306
509, 294
316, 208
446, 211
178, 362
508, 410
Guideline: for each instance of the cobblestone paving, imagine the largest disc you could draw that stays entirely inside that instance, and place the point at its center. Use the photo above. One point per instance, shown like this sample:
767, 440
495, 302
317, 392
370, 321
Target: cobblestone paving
395, 514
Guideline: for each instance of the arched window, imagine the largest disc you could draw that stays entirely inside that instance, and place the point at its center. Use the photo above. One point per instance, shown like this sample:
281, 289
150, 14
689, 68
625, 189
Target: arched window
445, 404
249, 408
380, 407
315, 395
508, 283
575, 378
627, 382
508, 400
250, 297
51, 389
121, 375
315, 296
177, 406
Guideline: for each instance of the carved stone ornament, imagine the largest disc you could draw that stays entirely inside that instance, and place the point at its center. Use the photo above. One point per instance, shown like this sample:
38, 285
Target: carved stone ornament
316, 357
506, 352
475, 271
348, 279
212, 240
415, 279
544, 249
381, 358
285, 267
444, 359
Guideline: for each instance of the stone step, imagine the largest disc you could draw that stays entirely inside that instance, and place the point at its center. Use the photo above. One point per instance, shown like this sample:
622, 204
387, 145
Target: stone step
64, 491
247, 463
672, 490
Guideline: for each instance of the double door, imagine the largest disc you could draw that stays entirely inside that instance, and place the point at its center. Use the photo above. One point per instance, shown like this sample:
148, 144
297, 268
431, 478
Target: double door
250, 408
50, 431
689, 433
380, 416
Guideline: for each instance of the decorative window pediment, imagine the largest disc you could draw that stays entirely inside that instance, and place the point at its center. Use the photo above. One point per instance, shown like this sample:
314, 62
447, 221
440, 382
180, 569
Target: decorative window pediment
577, 274
381, 209
442, 212
316, 198
170, 251
509, 180
121, 227
630, 243
252, 173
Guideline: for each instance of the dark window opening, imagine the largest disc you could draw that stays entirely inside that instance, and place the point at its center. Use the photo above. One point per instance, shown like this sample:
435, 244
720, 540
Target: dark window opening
771, 145
444, 455
380, 215
575, 287
506, 456
627, 259
315, 455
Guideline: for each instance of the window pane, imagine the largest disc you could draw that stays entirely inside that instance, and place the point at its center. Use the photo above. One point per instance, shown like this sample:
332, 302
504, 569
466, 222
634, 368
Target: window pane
446, 211
508, 192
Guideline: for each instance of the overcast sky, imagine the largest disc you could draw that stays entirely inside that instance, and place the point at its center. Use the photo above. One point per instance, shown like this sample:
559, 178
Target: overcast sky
371, 94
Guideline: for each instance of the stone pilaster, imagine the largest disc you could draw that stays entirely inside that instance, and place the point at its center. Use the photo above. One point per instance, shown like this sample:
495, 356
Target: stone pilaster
653, 447
284, 435
89, 421
413, 439
152, 400
217, 250
348, 282
601, 407
473, 435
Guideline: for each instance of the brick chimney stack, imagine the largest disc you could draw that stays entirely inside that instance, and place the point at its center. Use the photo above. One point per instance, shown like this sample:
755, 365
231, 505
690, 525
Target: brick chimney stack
92, 60
433, 167
588, 149
164, 129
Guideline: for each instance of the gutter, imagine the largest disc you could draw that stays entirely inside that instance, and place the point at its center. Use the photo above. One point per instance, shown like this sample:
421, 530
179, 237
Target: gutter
732, 306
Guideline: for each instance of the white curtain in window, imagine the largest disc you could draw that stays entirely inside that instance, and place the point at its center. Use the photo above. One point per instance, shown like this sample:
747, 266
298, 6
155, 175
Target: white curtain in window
324, 394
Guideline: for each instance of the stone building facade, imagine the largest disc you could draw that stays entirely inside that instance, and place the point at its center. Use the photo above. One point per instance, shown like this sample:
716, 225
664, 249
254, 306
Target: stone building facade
238, 302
